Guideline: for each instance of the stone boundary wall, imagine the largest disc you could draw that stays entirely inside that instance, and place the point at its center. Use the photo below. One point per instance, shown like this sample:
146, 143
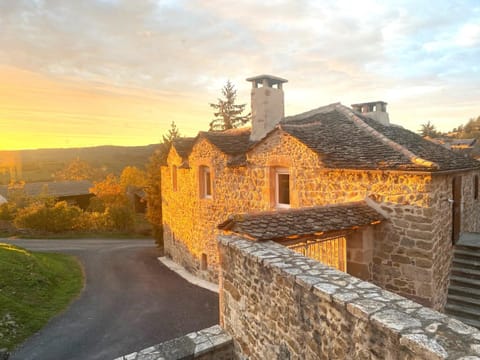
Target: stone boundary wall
208, 344
277, 304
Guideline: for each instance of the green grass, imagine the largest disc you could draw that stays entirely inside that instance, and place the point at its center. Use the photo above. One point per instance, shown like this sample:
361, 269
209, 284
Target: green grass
33, 288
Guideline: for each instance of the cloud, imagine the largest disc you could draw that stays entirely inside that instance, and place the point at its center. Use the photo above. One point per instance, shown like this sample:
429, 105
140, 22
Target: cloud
331, 50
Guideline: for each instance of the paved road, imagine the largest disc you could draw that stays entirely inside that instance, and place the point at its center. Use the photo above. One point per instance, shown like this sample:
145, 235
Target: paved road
130, 301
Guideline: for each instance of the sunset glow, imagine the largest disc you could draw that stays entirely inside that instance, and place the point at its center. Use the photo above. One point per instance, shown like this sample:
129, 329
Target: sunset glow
137, 66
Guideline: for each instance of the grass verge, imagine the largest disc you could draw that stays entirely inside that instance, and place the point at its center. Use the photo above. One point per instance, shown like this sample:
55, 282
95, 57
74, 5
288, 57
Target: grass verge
33, 288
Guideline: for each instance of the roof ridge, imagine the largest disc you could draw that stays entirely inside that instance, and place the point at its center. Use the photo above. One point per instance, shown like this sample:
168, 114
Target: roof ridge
307, 114
387, 141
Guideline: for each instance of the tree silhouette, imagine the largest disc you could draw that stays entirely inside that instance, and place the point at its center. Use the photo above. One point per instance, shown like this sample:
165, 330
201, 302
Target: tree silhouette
428, 129
228, 115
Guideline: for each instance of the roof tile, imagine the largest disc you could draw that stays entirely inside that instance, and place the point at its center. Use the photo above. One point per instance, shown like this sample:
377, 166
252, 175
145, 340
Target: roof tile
303, 221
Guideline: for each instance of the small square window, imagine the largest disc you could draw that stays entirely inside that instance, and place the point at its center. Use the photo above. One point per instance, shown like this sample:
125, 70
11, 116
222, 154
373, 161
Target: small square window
205, 182
282, 188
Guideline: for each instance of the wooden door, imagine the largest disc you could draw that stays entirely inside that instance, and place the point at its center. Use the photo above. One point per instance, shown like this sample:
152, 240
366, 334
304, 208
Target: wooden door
457, 208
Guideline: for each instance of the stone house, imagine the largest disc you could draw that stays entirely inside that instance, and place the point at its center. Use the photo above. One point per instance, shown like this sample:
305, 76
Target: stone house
338, 184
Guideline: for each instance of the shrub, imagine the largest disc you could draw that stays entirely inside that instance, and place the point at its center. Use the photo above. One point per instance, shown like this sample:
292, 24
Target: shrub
120, 218
48, 217
7, 211
89, 221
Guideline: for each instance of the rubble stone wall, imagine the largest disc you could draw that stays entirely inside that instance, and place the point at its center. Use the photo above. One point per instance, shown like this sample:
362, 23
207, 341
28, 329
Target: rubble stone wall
406, 252
277, 304
212, 343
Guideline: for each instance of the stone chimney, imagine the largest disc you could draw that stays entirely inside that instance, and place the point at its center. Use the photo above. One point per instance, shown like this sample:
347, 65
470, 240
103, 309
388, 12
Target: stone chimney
376, 110
267, 104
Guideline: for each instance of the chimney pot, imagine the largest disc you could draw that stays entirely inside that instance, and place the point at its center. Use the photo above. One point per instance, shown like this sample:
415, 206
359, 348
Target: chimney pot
376, 110
267, 104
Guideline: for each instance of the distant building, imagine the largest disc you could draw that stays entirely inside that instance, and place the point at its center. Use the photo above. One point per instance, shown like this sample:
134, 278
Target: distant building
75, 192
465, 147
341, 185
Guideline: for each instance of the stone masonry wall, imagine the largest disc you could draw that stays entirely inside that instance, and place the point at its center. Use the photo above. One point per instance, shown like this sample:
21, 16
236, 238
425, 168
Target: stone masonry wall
212, 343
408, 252
277, 304
442, 221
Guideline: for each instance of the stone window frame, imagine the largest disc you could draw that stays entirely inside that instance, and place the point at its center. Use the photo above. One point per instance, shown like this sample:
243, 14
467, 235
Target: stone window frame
174, 178
276, 192
205, 182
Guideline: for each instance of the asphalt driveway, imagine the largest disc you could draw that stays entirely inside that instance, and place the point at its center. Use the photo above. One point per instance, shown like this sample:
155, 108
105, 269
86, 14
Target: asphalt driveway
130, 301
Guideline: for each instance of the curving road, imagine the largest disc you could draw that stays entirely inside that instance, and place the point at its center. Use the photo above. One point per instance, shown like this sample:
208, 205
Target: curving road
130, 301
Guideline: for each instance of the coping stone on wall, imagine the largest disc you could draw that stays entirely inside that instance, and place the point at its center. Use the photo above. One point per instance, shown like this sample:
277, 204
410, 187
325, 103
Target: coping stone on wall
423, 331
194, 345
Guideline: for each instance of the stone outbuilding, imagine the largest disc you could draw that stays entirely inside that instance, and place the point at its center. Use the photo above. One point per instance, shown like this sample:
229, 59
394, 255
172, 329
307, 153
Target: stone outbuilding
74, 192
341, 185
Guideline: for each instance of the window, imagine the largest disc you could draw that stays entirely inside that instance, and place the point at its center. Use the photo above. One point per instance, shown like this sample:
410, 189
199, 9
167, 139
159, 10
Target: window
205, 182
282, 188
204, 262
475, 187
174, 178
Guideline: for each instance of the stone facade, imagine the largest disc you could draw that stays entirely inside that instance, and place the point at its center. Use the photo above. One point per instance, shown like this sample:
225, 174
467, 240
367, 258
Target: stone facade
280, 305
409, 253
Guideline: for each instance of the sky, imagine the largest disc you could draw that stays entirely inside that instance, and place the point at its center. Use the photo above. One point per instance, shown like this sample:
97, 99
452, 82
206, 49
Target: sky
97, 72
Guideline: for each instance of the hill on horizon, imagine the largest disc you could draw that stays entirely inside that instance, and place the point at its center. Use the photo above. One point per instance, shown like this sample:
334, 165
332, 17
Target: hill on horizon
42, 164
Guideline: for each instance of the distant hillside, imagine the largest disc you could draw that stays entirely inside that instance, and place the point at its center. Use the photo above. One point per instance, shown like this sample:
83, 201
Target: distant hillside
41, 164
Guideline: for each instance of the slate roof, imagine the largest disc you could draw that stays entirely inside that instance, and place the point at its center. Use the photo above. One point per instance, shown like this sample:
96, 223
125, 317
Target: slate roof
344, 139
304, 221
230, 142
183, 146
342, 144
234, 142
446, 159
57, 188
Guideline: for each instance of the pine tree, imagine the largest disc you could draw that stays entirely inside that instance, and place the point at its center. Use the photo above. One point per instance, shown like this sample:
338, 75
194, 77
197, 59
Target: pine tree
228, 115
173, 133
154, 183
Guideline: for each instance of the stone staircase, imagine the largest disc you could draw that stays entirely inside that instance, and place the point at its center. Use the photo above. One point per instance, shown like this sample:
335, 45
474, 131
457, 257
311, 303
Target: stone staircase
463, 300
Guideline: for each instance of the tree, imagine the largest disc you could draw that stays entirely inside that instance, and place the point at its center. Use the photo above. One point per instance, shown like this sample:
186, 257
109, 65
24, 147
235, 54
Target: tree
428, 129
469, 130
154, 183
109, 191
77, 170
167, 139
228, 115
172, 133
133, 177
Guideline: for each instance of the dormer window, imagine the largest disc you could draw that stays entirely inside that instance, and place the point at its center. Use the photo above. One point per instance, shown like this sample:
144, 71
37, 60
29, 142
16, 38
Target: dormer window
282, 188
205, 182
